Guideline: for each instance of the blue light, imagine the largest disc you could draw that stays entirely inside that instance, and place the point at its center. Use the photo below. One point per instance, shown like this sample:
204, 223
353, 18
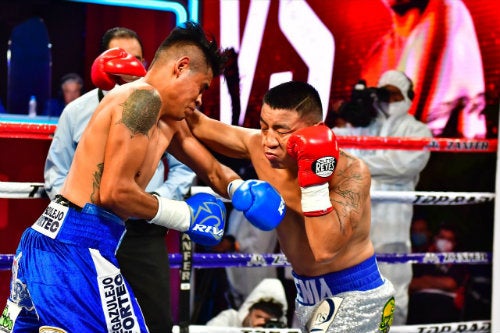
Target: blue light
179, 11
193, 9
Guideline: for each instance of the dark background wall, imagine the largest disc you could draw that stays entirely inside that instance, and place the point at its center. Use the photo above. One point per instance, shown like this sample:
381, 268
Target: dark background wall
65, 23
75, 30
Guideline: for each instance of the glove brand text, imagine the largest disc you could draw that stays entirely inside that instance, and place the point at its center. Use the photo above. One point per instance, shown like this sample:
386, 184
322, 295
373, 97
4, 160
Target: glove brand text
324, 166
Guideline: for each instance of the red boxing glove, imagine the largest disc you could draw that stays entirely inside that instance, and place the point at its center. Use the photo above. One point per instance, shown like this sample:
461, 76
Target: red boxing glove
316, 150
112, 66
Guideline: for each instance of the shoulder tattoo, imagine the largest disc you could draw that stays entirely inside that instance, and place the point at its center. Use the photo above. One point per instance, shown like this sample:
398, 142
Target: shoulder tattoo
140, 111
96, 183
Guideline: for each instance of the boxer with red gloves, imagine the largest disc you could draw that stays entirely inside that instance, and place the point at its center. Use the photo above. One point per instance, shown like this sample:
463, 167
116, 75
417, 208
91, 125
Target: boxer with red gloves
115, 66
316, 151
325, 233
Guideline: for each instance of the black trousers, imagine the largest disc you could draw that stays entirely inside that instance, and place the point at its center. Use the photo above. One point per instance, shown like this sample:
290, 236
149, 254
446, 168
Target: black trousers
143, 259
429, 308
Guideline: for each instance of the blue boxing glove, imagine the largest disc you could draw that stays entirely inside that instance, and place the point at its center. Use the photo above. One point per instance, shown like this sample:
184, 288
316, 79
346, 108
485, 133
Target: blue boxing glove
202, 217
208, 219
261, 204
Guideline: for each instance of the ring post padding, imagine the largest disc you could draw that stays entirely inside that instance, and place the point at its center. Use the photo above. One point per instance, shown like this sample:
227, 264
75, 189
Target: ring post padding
495, 284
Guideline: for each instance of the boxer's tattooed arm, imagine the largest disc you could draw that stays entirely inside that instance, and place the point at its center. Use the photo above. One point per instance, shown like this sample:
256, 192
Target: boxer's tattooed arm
96, 183
349, 193
140, 111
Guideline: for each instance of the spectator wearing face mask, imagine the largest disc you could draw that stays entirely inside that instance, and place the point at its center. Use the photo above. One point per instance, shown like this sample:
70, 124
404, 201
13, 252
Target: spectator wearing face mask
421, 235
391, 169
437, 291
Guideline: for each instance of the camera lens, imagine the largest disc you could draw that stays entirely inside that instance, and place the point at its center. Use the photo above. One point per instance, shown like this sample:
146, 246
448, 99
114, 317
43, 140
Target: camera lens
274, 323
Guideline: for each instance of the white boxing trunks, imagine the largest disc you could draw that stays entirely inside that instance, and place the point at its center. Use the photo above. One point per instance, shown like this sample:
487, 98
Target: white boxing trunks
65, 276
356, 300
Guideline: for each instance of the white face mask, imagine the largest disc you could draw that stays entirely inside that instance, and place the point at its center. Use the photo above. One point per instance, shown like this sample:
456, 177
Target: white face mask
444, 245
396, 108
382, 107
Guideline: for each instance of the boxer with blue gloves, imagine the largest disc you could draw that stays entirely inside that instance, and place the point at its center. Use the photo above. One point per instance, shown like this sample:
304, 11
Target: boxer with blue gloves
78, 234
202, 216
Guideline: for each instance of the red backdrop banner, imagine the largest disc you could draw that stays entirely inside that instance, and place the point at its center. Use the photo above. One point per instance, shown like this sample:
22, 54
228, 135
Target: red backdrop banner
448, 47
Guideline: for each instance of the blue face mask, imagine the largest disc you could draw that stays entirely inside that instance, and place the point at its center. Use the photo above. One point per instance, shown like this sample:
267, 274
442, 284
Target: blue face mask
418, 239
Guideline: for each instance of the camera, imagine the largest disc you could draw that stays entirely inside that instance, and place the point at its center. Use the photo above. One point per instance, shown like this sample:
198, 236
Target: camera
361, 109
274, 323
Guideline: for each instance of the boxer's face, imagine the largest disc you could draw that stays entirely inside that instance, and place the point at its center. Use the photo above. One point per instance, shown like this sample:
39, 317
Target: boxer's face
189, 88
277, 125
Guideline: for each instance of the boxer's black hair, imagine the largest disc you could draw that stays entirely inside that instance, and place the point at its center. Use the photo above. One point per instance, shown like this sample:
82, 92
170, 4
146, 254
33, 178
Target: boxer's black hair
191, 33
296, 95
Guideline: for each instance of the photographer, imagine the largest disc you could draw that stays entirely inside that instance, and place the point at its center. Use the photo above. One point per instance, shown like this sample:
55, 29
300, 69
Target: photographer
383, 111
265, 307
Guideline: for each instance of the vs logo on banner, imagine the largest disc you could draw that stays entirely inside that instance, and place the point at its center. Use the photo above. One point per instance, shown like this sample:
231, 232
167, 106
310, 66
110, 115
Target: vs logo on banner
305, 32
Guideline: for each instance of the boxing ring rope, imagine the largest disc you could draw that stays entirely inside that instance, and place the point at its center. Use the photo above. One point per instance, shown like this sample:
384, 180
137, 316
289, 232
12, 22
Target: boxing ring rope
25, 190
413, 197
431, 144
19, 128
221, 260
43, 130
462, 327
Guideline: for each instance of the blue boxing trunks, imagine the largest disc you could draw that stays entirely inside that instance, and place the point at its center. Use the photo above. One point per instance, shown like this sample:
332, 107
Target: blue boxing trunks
65, 276
357, 299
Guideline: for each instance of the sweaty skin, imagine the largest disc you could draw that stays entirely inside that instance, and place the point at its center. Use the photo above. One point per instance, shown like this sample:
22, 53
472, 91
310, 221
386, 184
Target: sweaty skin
313, 245
131, 129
